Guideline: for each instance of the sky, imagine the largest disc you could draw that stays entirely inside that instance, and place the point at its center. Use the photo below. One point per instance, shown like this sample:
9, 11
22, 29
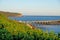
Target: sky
31, 7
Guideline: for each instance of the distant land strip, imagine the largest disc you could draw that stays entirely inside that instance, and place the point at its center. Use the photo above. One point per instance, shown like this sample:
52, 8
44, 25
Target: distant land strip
11, 14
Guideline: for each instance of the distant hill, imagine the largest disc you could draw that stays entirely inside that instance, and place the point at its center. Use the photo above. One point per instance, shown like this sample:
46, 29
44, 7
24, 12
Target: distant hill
11, 14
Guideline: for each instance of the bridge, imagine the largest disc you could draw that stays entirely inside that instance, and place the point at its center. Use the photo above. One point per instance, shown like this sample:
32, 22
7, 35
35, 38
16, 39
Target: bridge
34, 24
50, 22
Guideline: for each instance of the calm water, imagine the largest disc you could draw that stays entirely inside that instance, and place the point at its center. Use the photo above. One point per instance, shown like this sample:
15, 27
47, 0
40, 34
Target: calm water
55, 28
34, 18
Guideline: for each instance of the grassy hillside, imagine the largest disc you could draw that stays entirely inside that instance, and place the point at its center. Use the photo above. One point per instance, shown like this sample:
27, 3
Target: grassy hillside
12, 25
11, 14
13, 30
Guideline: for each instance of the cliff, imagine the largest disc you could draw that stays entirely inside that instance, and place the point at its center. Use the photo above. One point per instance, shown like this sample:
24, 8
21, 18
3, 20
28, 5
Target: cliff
11, 14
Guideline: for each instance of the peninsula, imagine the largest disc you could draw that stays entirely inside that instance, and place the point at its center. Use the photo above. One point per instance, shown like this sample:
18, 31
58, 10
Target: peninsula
11, 14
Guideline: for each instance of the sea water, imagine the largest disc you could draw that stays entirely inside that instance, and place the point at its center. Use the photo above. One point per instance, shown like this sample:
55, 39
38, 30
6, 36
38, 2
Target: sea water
55, 28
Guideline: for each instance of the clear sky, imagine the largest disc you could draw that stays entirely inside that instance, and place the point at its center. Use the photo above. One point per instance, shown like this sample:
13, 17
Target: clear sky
31, 7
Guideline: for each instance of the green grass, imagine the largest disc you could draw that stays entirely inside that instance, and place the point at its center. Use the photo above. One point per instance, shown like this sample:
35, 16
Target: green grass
13, 30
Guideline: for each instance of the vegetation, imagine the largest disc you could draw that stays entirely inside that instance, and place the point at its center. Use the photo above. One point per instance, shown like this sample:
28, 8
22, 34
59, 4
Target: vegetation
11, 14
13, 30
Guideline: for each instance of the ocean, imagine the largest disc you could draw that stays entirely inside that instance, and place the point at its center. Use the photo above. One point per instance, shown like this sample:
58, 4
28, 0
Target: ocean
36, 18
55, 28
